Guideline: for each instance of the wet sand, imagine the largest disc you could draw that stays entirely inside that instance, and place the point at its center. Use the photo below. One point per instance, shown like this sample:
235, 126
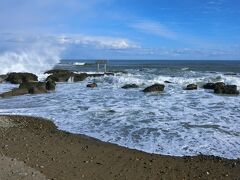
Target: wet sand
42, 151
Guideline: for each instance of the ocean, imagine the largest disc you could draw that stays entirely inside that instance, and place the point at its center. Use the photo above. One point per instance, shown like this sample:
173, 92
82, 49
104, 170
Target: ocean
174, 122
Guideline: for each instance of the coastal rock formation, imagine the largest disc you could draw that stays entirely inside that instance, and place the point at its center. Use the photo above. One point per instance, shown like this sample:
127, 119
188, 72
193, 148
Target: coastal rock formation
222, 88
130, 86
80, 77
30, 88
92, 85
154, 88
59, 75
226, 89
18, 78
191, 87
167, 82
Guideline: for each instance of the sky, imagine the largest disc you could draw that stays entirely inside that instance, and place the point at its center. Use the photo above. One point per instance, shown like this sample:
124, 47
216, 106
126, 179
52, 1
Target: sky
123, 29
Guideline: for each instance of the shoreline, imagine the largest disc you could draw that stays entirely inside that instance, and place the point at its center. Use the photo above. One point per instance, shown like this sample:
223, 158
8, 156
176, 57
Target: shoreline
57, 154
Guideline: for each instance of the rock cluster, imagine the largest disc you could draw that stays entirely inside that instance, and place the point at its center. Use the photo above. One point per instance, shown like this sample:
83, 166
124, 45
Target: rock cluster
59, 75
222, 88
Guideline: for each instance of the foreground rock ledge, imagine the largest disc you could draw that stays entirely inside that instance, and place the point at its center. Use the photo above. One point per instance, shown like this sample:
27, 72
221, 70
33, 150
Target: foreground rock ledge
61, 155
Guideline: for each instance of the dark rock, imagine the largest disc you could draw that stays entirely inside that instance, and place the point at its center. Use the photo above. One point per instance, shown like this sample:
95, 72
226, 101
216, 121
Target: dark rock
80, 77
154, 88
50, 85
209, 86
28, 85
219, 85
129, 86
92, 85
226, 89
191, 87
168, 82
34, 87
18, 78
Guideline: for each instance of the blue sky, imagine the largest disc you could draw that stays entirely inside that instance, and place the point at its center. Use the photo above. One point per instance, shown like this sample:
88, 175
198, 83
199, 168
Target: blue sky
124, 29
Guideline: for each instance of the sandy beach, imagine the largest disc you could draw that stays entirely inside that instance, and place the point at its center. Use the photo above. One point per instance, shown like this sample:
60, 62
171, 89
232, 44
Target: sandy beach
33, 148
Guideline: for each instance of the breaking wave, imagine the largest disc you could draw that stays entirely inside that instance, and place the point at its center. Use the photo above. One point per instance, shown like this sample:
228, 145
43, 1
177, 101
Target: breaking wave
35, 60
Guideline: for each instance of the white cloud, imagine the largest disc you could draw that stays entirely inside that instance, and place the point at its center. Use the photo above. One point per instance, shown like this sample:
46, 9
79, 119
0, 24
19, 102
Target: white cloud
97, 41
155, 28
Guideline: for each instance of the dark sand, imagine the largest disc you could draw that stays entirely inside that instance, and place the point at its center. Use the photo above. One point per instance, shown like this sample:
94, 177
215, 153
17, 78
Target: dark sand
41, 150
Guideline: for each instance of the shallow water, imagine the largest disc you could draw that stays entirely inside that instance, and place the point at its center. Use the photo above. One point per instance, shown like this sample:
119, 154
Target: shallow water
174, 122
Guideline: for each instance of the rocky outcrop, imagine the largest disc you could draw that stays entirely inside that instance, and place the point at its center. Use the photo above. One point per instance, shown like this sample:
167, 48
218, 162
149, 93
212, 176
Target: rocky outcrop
226, 89
191, 87
92, 85
130, 86
80, 77
59, 75
18, 78
222, 88
154, 88
30, 88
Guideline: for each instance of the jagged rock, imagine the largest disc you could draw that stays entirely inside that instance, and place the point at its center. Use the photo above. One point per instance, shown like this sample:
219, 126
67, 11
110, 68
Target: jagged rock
18, 78
80, 77
130, 86
92, 85
191, 87
154, 88
226, 89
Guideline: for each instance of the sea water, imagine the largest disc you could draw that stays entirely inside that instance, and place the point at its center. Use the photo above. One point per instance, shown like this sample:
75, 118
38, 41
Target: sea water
172, 122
